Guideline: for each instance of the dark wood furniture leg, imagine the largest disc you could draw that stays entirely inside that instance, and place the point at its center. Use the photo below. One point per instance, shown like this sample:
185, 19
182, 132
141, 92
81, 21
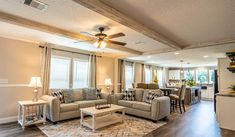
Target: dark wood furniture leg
183, 105
180, 106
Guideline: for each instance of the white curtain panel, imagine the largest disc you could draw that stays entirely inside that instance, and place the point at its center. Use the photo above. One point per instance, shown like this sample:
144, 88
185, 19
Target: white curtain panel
45, 69
123, 75
92, 68
143, 73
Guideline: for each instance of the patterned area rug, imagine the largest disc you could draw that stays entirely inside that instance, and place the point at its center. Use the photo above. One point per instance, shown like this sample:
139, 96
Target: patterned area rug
131, 127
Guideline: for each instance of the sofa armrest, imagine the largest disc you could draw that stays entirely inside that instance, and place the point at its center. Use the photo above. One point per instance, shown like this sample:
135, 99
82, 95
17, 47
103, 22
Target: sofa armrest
53, 107
116, 97
160, 107
105, 96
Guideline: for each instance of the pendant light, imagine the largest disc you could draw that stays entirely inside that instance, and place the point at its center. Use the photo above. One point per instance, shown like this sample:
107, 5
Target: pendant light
181, 69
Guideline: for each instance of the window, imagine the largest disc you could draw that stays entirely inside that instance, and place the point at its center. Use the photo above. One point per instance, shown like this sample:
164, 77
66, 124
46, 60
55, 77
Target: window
202, 76
211, 76
69, 70
129, 75
148, 74
189, 75
80, 73
60, 70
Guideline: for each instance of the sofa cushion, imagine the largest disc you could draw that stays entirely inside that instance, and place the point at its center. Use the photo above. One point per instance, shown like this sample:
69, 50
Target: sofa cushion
138, 93
90, 93
141, 106
129, 95
90, 103
68, 96
68, 107
78, 94
125, 103
100, 101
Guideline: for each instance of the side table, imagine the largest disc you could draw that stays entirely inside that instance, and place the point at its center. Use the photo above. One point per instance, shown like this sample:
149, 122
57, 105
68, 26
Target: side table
30, 112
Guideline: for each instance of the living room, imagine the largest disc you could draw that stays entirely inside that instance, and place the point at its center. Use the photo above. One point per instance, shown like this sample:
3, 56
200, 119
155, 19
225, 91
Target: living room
117, 68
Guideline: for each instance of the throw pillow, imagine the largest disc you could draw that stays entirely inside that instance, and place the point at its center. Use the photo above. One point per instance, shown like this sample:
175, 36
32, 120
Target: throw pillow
150, 96
68, 96
98, 93
78, 94
158, 93
129, 95
90, 93
58, 93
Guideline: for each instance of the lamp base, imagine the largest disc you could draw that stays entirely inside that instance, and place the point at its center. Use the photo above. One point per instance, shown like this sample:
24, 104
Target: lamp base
35, 96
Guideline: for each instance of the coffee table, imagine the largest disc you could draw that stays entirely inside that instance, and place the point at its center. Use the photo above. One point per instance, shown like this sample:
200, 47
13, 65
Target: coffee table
101, 117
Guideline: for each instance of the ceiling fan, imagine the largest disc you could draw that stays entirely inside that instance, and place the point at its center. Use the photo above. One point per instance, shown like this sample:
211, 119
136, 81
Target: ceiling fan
102, 39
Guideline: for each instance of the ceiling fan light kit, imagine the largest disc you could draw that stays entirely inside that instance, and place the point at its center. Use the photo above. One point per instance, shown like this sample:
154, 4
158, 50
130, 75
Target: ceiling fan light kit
100, 44
103, 39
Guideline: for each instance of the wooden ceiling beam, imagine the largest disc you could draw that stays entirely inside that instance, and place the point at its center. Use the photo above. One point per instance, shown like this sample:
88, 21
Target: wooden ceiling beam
165, 50
16, 20
113, 14
212, 43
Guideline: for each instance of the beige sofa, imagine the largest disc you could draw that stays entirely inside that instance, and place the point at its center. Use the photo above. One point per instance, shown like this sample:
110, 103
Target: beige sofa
57, 111
158, 109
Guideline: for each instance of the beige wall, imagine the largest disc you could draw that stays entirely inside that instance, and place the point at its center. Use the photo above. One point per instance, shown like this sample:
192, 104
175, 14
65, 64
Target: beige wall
19, 61
105, 69
226, 78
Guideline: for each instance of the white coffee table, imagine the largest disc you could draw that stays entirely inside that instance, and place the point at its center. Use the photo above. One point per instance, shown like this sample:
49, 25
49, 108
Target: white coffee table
101, 117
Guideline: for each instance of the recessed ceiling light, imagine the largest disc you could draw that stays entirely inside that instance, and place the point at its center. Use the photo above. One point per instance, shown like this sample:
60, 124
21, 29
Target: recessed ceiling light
148, 57
205, 56
139, 42
177, 53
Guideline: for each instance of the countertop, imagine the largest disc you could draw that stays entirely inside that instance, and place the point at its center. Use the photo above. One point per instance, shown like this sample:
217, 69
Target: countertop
227, 94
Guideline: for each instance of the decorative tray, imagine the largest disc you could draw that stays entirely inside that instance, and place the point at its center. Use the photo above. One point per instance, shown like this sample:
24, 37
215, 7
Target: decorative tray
102, 106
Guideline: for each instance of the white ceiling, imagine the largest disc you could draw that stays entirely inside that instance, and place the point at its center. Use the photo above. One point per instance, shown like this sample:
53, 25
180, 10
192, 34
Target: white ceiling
193, 56
68, 15
186, 22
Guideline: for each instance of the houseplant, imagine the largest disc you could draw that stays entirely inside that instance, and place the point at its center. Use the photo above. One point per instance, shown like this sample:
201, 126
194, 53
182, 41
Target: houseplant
232, 87
191, 82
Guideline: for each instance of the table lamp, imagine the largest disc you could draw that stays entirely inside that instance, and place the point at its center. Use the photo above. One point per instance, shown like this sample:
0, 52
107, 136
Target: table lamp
108, 83
35, 83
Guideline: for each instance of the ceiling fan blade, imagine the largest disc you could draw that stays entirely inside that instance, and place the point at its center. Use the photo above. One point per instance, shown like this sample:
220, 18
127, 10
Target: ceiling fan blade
116, 35
117, 42
87, 33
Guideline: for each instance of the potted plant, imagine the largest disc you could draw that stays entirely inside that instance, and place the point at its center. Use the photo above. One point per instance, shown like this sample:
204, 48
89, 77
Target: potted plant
232, 87
191, 82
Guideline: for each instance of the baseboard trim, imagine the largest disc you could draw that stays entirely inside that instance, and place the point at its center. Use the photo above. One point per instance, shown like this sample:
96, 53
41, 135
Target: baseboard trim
8, 119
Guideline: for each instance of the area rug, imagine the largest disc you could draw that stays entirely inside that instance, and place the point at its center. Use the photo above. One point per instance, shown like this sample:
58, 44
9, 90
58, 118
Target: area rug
131, 127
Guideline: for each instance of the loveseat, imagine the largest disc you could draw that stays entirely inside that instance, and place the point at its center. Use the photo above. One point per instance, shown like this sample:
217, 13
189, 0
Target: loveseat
81, 98
159, 107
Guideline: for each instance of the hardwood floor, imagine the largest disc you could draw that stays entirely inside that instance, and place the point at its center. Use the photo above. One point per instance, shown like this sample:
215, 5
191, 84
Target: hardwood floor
13, 130
198, 121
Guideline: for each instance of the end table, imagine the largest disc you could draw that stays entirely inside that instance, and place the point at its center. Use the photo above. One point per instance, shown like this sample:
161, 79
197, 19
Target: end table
30, 112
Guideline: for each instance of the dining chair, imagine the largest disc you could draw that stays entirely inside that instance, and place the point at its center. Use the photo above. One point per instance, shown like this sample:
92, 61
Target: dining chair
178, 100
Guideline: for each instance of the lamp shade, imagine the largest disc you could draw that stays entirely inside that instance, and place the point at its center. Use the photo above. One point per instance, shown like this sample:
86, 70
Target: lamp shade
108, 81
35, 82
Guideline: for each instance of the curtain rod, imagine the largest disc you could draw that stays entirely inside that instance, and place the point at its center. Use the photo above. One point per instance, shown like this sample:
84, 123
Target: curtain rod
40, 46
